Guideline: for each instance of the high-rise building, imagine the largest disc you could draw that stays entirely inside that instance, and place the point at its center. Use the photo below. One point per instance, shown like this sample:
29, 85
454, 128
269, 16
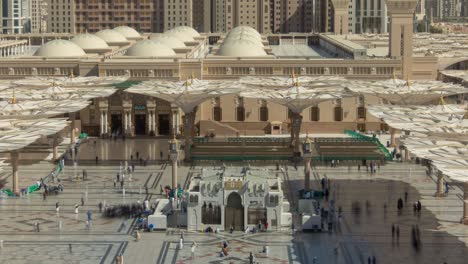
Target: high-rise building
255, 14
61, 18
444, 9
142, 15
368, 16
39, 16
178, 13
15, 17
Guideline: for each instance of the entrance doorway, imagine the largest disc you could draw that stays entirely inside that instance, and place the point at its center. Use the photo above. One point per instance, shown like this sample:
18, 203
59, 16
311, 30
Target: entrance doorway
234, 213
164, 127
140, 124
116, 123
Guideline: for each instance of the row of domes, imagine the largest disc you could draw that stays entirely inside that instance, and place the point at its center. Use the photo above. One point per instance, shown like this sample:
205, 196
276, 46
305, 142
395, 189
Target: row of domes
242, 41
158, 45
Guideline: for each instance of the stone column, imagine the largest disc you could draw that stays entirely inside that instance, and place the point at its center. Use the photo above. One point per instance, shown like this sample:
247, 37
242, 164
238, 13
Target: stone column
102, 122
392, 137
307, 172
440, 185
174, 173
14, 164
465, 203
174, 114
106, 122
125, 122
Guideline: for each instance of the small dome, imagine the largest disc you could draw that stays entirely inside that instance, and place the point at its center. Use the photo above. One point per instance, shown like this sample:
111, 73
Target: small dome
171, 42
187, 30
184, 37
247, 29
128, 32
111, 36
147, 48
60, 48
89, 42
241, 48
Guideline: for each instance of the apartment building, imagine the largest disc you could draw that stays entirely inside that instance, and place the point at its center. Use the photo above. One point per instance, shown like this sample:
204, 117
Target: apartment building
178, 13
142, 15
15, 18
368, 16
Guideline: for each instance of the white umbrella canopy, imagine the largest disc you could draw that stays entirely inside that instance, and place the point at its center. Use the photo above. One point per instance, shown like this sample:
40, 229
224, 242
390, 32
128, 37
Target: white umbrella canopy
40, 108
406, 93
186, 94
296, 93
91, 81
423, 119
450, 156
56, 93
16, 134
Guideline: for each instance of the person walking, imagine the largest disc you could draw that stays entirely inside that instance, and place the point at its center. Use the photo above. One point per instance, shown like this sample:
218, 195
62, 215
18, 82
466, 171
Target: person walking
82, 201
89, 214
57, 207
397, 232
406, 197
100, 207
137, 236
251, 258
70, 249
419, 206
192, 249
76, 208
393, 230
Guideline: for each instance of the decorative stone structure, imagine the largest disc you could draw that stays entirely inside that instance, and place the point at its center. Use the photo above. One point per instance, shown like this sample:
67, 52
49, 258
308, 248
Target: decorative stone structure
225, 197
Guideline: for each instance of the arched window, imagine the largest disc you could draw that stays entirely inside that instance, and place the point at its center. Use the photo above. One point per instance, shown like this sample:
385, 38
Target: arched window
338, 113
314, 113
361, 112
240, 113
263, 113
217, 113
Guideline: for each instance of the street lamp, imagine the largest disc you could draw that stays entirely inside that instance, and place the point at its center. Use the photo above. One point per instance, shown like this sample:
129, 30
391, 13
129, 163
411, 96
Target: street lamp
307, 154
174, 156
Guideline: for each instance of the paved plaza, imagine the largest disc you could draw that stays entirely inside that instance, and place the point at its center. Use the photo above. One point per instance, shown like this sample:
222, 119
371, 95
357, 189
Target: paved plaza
359, 234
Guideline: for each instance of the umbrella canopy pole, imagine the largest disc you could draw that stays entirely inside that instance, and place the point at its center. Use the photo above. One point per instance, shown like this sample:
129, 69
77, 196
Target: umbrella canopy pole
189, 132
296, 122
14, 164
465, 204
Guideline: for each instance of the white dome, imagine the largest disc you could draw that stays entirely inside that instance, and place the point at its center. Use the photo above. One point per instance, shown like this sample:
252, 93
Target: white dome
111, 36
244, 34
187, 30
89, 42
60, 48
241, 48
248, 29
184, 37
128, 32
167, 40
147, 48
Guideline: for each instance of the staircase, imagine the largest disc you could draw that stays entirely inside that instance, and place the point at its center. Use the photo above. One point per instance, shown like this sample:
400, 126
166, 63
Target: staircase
346, 149
239, 149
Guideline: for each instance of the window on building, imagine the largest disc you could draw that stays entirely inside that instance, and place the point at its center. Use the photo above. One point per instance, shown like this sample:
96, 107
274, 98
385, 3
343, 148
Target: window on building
217, 113
240, 113
263, 113
338, 113
315, 113
361, 112
211, 214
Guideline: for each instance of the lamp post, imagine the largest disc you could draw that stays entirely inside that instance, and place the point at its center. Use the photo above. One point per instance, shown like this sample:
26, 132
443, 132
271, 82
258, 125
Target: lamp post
174, 156
307, 154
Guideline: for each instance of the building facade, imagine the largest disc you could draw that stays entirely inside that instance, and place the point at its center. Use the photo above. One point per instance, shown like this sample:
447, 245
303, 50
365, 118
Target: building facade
15, 16
178, 13
368, 16
61, 16
142, 15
